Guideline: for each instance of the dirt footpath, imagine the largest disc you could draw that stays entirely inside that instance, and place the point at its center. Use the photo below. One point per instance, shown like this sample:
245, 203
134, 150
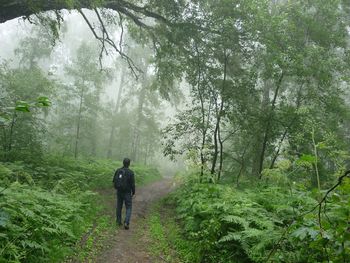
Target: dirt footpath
130, 246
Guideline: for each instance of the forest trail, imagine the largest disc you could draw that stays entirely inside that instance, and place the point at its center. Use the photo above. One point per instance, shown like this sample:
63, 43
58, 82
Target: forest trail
130, 246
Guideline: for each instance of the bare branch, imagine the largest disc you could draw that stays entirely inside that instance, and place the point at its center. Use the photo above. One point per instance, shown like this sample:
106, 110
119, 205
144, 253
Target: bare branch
323, 200
95, 35
122, 31
106, 39
130, 62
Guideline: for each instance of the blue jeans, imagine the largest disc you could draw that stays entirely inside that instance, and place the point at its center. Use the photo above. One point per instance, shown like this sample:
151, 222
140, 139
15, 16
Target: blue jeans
124, 198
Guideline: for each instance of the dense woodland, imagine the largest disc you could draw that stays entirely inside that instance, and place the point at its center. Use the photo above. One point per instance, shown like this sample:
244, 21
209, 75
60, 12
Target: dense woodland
253, 97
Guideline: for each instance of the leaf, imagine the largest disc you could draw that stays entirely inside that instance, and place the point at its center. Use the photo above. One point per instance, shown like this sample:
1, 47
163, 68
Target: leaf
4, 218
32, 244
236, 220
308, 158
322, 145
300, 233
43, 102
4, 119
22, 106
303, 232
231, 236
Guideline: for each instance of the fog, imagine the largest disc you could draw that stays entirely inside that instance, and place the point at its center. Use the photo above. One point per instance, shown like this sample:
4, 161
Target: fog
115, 114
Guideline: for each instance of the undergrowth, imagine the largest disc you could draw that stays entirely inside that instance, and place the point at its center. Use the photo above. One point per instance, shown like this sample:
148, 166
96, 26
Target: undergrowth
167, 238
49, 211
262, 223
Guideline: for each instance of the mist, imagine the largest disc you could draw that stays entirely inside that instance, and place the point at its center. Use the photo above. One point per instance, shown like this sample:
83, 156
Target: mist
123, 112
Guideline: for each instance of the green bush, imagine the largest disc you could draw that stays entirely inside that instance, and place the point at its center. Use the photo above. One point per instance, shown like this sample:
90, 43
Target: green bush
38, 225
246, 226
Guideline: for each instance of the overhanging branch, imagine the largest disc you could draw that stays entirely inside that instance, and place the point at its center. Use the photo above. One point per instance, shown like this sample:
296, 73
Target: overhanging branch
105, 38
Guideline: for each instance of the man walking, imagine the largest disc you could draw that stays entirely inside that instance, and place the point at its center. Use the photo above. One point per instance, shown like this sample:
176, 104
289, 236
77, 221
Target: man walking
124, 183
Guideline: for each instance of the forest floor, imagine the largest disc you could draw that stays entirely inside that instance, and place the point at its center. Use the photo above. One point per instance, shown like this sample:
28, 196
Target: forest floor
131, 246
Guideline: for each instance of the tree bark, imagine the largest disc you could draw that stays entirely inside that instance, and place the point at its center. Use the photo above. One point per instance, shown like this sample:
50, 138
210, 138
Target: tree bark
24, 8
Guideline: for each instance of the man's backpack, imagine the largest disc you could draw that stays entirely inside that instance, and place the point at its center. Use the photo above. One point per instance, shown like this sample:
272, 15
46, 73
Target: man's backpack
121, 180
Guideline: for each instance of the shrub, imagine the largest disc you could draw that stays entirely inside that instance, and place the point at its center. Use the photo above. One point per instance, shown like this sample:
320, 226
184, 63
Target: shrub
38, 225
230, 225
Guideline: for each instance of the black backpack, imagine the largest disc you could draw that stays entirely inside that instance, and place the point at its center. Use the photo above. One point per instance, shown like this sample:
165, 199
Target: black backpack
121, 180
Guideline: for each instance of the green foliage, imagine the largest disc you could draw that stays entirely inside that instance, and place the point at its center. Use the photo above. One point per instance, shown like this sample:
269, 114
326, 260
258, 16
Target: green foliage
167, 237
36, 222
230, 225
145, 174
26, 98
330, 241
267, 99
47, 206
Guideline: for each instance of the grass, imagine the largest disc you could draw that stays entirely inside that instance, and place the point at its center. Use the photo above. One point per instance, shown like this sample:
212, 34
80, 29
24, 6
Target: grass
166, 237
145, 175
93, 242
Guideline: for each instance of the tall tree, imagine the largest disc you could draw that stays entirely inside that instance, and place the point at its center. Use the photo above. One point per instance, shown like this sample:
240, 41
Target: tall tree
86, 86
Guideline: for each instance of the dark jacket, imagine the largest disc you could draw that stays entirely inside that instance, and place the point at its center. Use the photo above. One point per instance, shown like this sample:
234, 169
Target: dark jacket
131, 179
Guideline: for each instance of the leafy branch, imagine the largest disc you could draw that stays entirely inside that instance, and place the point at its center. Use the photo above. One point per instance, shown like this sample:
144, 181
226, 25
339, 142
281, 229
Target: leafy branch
318, 206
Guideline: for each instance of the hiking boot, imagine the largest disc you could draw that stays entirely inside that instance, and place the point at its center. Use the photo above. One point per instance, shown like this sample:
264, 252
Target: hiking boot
119, 224
126, 226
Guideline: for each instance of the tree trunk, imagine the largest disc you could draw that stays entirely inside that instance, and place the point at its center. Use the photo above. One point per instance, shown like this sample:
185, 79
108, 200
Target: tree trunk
136, 139
4, 142
259, 129
316, 159
239, 173
205, 123
10, 138
147, 152
78, 124
216, 148
268, 125
242, 163
298, 102
221, 143
115, 113
279, 148
217, 133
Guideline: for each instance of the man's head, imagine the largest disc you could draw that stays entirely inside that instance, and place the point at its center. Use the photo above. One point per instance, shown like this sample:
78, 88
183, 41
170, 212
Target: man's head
126, 162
